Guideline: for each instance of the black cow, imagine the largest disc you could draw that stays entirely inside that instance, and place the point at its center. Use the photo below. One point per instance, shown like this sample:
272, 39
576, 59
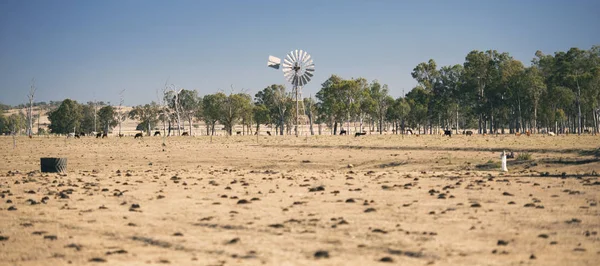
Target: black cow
121, 135
82, 134
448, 133
360, 134
269, 133
469, 133
156, 133
342, 132
104, 135
98, 135
76, 136
238, 133
138, 135
185, 134
409, 131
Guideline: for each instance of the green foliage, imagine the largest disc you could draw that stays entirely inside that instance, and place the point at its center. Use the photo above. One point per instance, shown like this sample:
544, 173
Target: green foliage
212, 105
524, 156
147, 115
107, 118
66, 118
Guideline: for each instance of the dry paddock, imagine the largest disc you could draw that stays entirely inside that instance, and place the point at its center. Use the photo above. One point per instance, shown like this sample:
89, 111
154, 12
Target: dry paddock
320, 200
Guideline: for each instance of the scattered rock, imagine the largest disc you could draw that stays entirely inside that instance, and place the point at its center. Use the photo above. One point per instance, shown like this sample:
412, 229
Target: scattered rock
315, 189
370, 210
502, 243
321, 254
97, 260
50, 237
233, 241
386, 259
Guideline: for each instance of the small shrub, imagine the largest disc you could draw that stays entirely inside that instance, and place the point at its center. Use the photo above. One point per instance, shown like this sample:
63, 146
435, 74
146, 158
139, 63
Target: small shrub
525, 156
489, 165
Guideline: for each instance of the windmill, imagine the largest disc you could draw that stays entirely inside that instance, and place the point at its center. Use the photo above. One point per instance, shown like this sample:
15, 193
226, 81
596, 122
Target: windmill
298, 68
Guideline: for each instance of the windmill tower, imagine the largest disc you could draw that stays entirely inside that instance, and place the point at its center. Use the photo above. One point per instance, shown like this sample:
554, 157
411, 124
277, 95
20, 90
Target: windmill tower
298, 68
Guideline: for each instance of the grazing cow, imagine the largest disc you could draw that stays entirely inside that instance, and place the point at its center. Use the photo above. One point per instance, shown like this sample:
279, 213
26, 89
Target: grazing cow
82, 134
359, 134
70, 135
518, 134
121, 135
448, 133
269, 133
138, 135
586, 131
342, 132
469, 133
551, 133
156, 133
98, 135
409, 131
238, 133
104, 135
185, 134
528, 133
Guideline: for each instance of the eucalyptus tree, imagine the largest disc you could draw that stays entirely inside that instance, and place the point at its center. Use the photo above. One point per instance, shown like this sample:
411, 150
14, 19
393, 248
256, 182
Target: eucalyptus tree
188, 104
107, 116
147, 115
66, 118
278, 101
212, 105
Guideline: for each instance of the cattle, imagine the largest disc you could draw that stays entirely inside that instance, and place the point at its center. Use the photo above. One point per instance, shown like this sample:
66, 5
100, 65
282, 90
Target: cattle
469, 133
98, 135
342, 132
82, 134
518, 134
156, 133
185, 134
269, 133
121, 135
551, 133
359, 134
71, 135
409, 131
510, 155
238, 133
104, 135
138, 135
528, 133
448, 133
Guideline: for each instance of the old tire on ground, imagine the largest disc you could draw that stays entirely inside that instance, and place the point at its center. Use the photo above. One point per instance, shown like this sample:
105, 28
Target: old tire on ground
53, 165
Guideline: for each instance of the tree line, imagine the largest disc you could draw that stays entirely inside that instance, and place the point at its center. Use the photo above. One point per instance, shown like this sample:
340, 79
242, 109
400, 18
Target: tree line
491, 92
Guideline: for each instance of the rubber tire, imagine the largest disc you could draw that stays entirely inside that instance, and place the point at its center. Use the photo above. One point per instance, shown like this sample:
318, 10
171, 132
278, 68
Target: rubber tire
53, 165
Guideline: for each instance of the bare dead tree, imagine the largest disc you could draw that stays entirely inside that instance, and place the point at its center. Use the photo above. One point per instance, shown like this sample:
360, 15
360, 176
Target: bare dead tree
31, 97
120, 115
176, 92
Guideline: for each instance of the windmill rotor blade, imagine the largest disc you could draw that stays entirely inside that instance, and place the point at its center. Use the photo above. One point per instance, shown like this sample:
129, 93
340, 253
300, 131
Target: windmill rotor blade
304, 80
306, 58
301, 56
289, 59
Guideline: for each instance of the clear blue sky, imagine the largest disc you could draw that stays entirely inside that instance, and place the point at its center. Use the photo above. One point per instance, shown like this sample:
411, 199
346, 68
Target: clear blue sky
89, 49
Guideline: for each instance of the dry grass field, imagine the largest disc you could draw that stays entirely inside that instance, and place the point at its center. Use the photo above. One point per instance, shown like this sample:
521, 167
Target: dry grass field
321, 200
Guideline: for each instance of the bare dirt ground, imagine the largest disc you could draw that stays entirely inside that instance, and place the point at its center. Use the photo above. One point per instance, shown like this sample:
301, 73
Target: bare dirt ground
322, 200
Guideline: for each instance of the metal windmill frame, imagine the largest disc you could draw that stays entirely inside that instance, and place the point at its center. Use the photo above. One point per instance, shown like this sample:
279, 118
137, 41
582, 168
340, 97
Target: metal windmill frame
298, 68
